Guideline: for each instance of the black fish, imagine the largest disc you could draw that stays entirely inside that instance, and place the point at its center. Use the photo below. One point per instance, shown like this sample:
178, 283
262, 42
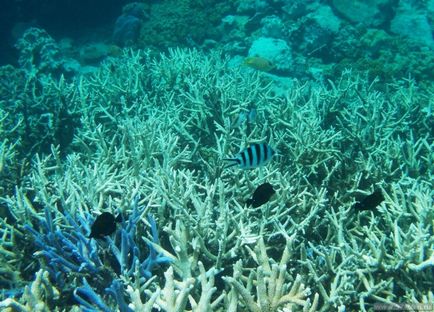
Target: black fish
261, 195
104, 224
254, 156
370, 202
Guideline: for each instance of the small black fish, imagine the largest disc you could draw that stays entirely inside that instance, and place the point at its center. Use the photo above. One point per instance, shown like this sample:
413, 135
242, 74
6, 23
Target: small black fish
104, 224
261, 195
370, 202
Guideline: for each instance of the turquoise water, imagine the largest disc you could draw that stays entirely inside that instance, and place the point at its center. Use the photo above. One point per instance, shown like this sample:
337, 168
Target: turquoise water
132, 111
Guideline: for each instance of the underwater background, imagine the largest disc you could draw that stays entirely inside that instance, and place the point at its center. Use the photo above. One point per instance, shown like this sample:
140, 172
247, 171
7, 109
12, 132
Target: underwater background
202, 155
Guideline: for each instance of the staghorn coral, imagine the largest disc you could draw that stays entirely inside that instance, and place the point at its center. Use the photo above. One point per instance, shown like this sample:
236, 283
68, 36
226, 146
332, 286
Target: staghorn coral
9, 257
157, 128
64, 250
11, 124
34, 116
272, 290
40, 295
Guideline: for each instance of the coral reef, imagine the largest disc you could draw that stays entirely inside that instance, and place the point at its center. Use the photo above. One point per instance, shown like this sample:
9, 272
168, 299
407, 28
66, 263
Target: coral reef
34, 116
182, 23
127, 26
420, 31
274, 50
385, 38
40, 54
338, 90
40, 295
38, 51
270, 284
371, 12
383, 56
151, 137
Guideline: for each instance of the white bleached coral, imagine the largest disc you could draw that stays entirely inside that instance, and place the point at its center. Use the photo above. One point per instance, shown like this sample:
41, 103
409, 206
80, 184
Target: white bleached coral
39, 296
158, 128
273, 291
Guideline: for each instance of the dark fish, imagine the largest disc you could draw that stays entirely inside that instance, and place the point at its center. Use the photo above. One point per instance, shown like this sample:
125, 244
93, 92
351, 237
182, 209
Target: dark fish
104, 224
370, 202
261, 195
254, 156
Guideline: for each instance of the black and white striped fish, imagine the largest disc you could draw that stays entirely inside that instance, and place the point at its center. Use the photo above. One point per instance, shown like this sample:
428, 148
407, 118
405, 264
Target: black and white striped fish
254, 156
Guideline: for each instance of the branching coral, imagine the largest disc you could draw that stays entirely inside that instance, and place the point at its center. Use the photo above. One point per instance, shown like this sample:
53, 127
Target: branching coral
372, 259
157, 129
273, 292
40, 295
67, 252
9, 257
36, 113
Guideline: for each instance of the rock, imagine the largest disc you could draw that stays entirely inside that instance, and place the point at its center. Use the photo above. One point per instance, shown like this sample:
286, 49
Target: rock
317, 31
273, 27
295, 9
246, 6
413, 24
95, 52
367, 12
126, 30
276, 51
326, 19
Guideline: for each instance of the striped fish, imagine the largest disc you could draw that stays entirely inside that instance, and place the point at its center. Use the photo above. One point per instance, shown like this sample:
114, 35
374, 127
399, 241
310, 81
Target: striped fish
254, 156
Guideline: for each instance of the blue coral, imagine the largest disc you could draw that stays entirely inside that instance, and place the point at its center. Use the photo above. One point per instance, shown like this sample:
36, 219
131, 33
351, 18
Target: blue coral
129, 256
68, 252
88, 299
